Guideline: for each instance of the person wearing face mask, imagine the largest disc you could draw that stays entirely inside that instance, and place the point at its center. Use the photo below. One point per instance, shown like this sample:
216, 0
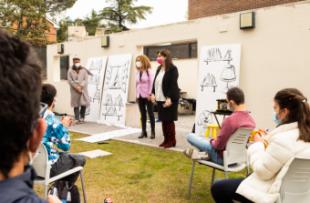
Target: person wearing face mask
21, 127
166, 94
213, 149
78, 81
144, 83
270, 162
57, 139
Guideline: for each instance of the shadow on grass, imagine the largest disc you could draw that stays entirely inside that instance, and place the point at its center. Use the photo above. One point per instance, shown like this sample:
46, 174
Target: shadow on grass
135, 173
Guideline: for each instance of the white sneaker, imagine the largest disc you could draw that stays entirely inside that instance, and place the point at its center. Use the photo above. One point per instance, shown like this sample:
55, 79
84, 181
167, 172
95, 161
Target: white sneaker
195, 154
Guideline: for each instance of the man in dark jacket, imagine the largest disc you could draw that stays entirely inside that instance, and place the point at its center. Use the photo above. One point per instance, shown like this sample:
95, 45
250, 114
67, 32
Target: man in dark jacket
21, 127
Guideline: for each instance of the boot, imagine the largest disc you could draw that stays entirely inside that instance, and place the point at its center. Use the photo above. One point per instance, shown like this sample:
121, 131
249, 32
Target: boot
153, 134
165, 136
143, 135
171, 141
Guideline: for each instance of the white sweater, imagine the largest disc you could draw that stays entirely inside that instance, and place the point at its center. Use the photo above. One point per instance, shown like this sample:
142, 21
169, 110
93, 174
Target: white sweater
271, 164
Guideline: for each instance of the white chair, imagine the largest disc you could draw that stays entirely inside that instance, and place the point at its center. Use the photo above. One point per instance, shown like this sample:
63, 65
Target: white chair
42, 168
234, 156
296, 183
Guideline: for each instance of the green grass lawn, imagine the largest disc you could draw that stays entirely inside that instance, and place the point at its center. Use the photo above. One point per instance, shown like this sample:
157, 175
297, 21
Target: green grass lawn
135, 173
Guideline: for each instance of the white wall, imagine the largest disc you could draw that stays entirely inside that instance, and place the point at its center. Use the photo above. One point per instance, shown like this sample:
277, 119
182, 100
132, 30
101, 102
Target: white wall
274, 54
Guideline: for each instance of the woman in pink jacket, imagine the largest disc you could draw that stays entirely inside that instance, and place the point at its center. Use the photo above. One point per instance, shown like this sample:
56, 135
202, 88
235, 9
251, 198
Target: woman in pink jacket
144, 84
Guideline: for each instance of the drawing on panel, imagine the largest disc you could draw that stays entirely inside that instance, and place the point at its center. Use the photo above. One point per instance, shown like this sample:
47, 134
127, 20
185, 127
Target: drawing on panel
208, 81
95, 68
228, 74
215, 55
117, 77
113, 107
115, 89
204, 118
119, 102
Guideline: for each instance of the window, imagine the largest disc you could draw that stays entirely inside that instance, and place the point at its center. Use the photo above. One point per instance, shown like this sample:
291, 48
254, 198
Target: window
64, 67
178, 51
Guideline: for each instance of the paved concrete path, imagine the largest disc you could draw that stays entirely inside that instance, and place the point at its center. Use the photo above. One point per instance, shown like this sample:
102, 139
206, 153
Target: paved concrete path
183, 127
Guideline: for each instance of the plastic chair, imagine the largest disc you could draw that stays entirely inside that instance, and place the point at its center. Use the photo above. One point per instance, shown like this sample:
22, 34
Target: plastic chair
296, 183
234, 157
42, 168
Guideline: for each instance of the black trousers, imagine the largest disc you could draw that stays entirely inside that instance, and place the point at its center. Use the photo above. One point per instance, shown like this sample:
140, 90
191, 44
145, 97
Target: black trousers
79, 112
66, 162
224, 191
146, 106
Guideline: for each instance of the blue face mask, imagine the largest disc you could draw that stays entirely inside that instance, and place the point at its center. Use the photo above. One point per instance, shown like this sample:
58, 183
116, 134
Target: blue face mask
276, 119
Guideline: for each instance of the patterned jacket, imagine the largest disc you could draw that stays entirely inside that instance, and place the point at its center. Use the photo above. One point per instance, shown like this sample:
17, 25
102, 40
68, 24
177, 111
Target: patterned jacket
56, 137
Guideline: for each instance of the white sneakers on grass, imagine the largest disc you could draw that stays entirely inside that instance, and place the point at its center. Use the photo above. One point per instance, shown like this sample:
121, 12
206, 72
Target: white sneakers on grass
195, 154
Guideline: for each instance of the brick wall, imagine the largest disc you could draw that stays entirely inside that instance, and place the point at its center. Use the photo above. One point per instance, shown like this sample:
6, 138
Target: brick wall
204, 8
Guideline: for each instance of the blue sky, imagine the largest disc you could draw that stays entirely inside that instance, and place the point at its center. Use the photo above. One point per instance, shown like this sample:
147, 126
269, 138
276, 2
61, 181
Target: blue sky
164, 11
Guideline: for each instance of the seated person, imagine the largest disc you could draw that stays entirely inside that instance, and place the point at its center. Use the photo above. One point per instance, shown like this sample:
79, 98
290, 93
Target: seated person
240, 118
57, 139
20, 124
271, 161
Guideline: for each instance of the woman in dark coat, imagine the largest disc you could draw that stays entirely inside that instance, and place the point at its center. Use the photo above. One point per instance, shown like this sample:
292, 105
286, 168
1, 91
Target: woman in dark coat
166, 94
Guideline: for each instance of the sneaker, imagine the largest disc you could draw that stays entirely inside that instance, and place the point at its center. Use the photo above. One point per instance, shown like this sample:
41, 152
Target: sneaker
195, 154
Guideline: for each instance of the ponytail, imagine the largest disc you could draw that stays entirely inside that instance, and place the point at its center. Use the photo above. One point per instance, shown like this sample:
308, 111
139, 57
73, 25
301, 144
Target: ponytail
299, 110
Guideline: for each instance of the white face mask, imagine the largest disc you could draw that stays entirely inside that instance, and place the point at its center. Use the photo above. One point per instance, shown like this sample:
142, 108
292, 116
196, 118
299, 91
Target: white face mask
138, 64
77, 65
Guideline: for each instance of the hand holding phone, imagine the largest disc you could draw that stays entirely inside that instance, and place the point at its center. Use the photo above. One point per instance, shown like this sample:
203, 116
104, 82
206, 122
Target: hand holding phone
66, 121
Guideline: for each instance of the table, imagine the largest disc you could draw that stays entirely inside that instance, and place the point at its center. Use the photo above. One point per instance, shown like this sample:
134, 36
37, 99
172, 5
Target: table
220, 113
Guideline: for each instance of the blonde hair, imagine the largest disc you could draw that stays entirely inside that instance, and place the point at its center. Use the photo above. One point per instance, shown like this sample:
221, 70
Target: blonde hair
146, 64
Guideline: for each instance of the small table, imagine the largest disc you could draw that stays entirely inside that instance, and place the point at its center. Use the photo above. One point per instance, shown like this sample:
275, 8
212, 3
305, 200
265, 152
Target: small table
223, 113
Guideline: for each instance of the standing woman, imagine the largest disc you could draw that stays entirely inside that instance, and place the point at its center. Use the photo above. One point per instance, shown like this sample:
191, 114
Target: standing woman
166, 93
78, 81
144, 84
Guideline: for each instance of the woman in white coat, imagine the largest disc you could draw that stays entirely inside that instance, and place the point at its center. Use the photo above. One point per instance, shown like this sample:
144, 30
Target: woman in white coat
271, 155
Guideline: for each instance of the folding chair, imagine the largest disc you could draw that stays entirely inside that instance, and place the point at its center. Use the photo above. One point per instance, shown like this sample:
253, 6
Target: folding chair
234, 157
42, 168
296, 183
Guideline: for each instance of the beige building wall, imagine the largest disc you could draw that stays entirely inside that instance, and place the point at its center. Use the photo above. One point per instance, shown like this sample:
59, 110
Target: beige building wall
274, 55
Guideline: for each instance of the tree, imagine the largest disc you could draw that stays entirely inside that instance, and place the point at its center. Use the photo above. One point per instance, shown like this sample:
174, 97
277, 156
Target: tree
27, 18
62, 32
121, 12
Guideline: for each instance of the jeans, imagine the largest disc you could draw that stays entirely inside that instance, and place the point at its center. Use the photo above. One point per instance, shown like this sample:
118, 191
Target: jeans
143, 105
224, 191
204, 145
66, 162
79, 113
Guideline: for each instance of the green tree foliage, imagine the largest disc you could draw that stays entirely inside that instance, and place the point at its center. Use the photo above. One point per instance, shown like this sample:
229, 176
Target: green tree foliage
27, 18
121, 12
62, 32
92, 22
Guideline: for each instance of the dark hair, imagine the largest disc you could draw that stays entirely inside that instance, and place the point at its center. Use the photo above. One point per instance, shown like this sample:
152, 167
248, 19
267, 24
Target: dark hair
48, 94
236, 94
299, 110
167, 54
20, 88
